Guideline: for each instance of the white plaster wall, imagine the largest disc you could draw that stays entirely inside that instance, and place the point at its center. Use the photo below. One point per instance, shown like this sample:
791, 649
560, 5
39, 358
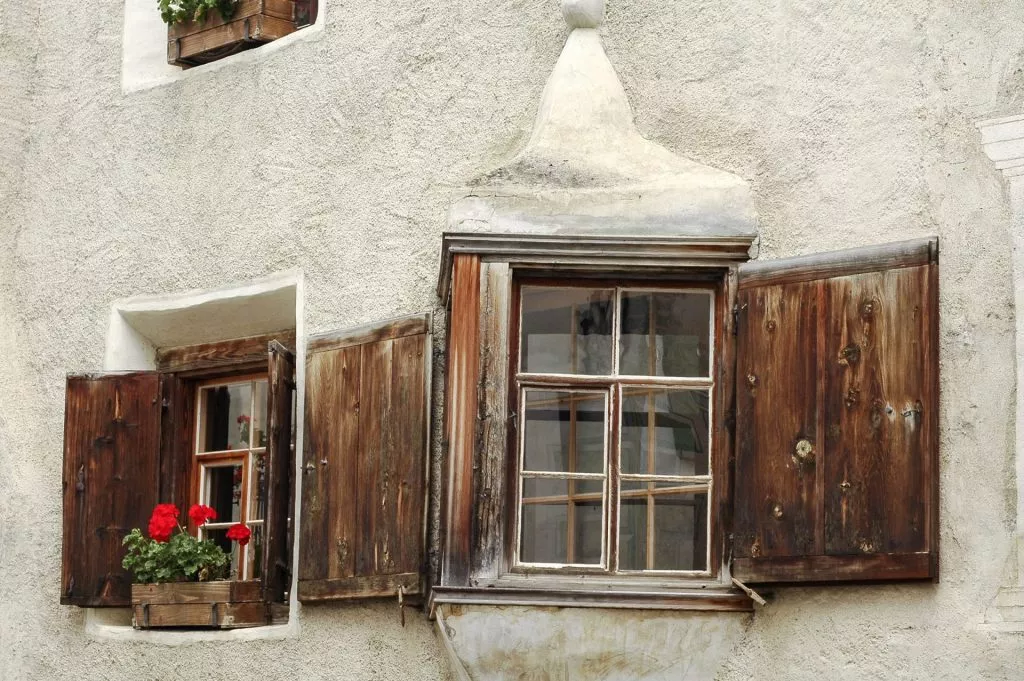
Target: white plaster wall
336, 156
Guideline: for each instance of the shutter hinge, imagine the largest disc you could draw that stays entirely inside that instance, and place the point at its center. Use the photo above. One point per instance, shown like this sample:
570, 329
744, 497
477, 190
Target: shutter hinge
735, 319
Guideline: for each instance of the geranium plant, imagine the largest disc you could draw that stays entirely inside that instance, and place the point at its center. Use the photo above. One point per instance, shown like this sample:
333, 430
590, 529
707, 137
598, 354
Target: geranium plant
178, 11
169, 556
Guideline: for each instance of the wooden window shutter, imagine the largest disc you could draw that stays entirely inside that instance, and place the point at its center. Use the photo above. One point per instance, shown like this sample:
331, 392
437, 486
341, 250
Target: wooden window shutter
837, 417
364, 469
111, 480
276, 571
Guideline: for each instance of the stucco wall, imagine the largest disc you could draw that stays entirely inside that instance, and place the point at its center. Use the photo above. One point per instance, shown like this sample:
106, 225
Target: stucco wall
337, 155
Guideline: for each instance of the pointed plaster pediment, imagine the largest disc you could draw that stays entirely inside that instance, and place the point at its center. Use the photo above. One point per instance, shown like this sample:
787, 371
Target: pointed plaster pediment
587, 169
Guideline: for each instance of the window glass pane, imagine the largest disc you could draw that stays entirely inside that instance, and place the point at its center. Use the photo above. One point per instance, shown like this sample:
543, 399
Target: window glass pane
564, 432
664, 334
633, 533
674, 424
566, 331
226, 417
562, 521
259, 417
219, 537
223, 489
680, 531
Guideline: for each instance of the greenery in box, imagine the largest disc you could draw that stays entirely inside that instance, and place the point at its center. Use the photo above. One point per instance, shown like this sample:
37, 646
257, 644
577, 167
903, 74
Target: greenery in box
180, 11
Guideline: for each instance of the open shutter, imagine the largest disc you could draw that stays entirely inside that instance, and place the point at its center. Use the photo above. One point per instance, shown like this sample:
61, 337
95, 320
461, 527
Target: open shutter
364, 469
276, 574
837, 417
111, 480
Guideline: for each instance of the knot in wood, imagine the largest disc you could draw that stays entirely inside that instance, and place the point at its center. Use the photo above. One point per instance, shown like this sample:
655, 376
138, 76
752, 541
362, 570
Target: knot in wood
867, 309
771, 325
849, 355
777, 511
752, 380
803, 452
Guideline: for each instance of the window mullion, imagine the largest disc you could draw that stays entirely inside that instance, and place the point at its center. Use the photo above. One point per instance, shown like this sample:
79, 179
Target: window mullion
612, 468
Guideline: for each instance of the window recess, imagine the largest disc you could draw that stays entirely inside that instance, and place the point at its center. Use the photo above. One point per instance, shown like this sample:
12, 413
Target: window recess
201, 429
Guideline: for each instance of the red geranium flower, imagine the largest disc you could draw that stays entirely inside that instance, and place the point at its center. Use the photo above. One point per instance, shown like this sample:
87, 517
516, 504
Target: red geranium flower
243, 418
163, 521
239, 533
200, 513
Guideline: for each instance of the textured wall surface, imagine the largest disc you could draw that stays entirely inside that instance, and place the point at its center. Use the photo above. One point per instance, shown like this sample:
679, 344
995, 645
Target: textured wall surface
852, 120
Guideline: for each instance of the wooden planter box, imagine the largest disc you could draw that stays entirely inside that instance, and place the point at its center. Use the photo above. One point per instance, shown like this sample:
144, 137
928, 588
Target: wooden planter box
254, 22
217, 605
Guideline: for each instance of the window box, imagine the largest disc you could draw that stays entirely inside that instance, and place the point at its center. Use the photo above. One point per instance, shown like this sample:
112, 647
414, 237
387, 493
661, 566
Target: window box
253, 23
218, 605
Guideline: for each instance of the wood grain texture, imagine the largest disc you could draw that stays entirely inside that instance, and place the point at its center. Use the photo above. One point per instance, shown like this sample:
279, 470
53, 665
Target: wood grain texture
232, 354
853, 404
462, 404
199, 615
276, 572
197, 592
226, 37
365, 462
878, 413
176, 441
489, 482
370, 586
110, 480
282, 9
840, 263
776, 407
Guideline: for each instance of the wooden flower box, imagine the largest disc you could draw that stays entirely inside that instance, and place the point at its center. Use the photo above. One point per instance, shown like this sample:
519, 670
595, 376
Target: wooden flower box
216, 605
254, 22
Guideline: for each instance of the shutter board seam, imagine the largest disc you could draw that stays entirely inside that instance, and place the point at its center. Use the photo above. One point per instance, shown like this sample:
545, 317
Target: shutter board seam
839, 263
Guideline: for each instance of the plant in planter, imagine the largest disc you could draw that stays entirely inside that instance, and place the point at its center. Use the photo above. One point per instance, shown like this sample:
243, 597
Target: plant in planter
181, 580
201, 31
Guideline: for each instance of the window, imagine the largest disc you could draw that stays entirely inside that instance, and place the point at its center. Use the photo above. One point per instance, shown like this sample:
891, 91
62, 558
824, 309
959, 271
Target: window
230, 456
615, 390
635, 422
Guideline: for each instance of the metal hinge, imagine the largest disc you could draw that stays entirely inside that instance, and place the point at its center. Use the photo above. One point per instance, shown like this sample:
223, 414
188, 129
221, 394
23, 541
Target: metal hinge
735, 319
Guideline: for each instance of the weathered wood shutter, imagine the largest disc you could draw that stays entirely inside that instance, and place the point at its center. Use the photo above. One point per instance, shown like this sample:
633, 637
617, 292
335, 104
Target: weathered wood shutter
837, 417
278, 475
364, 467
111, 480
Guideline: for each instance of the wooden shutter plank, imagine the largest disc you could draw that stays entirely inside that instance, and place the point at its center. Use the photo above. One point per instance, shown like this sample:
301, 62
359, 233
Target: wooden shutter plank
777, 408
877, 424
857, 388
111, 480
276, 572
374, 466
328, 529
408, 378
367, 426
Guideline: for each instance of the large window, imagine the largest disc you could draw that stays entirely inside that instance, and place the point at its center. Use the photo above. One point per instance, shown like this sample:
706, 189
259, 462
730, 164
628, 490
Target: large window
614, 387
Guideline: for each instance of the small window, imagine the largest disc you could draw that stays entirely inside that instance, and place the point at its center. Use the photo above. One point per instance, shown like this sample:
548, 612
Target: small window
231, 448
615, 390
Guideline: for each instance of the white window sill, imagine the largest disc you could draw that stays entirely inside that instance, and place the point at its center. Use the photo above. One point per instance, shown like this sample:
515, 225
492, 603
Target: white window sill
114, 624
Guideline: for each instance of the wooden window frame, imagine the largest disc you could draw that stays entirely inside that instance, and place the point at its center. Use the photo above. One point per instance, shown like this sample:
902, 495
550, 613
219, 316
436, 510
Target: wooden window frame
612, 386
203, 460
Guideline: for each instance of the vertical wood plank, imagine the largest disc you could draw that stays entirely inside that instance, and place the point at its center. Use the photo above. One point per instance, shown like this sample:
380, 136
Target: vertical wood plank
489, 498
110, 480
776, 411
375, 467
409, 425
177, 441
276, 573
462, 405
879, 412
328, 535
